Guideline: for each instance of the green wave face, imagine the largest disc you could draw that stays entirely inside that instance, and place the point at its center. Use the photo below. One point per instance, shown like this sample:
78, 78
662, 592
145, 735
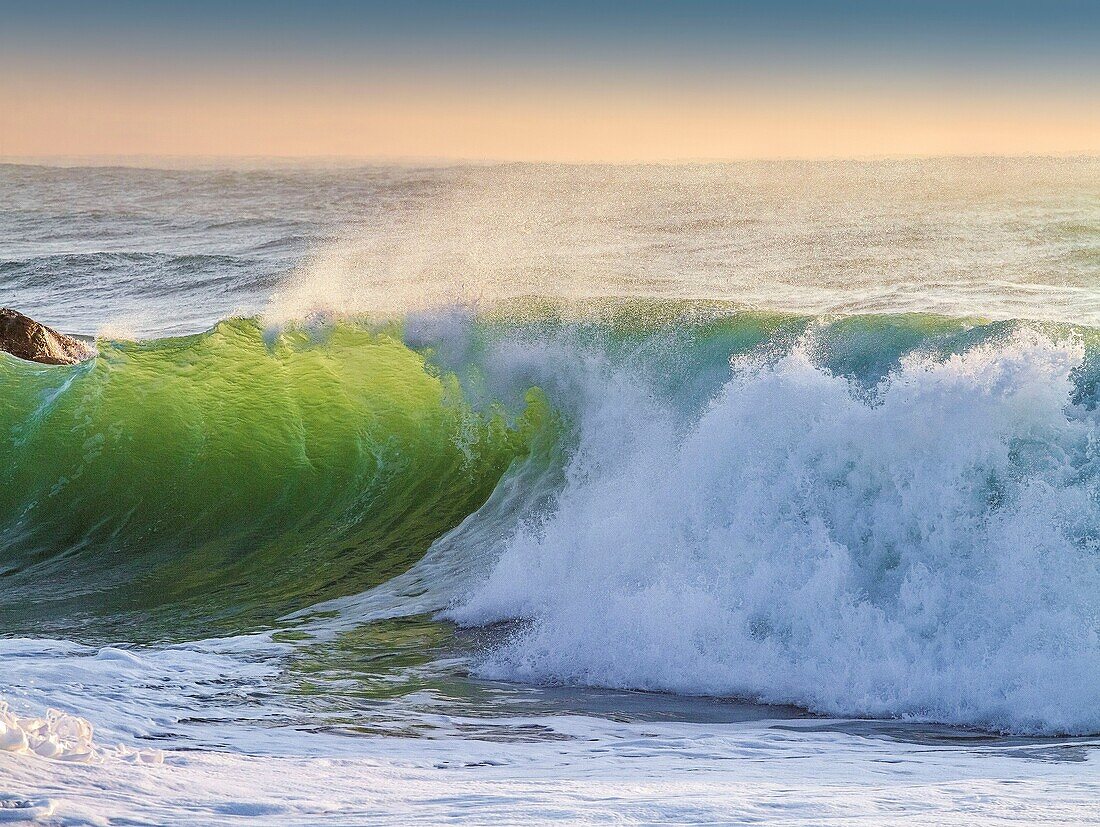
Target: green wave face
224, 479
214, 483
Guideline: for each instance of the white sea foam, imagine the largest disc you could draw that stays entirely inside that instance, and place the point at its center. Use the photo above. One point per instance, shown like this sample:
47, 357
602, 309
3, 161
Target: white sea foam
62, 737
51, 690
657, 772
56, 736
929, 551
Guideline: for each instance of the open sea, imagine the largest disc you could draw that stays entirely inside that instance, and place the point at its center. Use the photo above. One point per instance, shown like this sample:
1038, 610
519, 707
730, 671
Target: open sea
758, 493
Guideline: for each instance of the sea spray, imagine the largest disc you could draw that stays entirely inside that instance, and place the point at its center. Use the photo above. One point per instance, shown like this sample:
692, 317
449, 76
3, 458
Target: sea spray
923, 544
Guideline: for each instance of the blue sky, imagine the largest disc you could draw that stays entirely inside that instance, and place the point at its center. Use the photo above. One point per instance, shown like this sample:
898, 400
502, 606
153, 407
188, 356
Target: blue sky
962, 29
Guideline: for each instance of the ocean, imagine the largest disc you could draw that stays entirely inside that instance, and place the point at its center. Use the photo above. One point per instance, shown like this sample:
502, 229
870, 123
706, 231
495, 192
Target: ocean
755, 493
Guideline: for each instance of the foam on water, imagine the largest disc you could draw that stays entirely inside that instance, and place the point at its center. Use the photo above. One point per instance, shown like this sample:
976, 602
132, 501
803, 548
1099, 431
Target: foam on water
887, 515
60, 736
56, 736
926, 547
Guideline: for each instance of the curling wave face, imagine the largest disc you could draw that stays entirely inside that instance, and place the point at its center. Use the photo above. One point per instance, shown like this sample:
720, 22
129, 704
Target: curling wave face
216, 480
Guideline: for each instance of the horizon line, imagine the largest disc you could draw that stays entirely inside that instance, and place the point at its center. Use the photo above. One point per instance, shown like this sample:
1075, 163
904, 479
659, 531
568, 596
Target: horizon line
148, 160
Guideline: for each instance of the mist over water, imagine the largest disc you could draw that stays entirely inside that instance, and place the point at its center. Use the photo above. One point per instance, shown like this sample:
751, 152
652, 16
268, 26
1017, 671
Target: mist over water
410, 459
149, 252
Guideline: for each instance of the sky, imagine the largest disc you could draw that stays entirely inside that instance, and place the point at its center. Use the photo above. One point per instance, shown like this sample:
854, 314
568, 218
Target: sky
573, 80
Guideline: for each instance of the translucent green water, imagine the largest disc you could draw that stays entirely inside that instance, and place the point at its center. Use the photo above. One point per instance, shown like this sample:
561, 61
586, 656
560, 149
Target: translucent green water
224, 477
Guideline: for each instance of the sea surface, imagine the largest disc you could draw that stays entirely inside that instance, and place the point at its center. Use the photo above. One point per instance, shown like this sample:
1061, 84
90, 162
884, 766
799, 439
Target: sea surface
759, 493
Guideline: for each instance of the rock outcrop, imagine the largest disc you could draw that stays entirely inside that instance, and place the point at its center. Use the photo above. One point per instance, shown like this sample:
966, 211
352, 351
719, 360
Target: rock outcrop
22, 336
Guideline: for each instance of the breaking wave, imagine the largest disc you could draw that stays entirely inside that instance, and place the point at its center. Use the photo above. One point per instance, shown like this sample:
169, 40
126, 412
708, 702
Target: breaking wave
866, 516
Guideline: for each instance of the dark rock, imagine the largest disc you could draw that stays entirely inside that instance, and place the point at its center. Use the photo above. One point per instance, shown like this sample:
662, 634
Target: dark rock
22, 336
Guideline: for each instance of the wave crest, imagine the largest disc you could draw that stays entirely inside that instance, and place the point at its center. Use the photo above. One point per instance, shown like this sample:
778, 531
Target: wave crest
924, 545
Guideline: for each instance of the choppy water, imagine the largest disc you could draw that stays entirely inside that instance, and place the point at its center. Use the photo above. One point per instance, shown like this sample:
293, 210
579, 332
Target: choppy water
744, 492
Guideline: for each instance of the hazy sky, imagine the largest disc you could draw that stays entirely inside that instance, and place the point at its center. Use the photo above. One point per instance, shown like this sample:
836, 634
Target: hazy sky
573, 81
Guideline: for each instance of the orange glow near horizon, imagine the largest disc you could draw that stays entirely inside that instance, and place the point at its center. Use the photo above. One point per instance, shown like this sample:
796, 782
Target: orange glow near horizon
570, 121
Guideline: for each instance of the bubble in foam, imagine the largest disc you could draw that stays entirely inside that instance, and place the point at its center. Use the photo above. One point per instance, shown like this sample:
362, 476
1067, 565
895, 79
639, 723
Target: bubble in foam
26, 809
